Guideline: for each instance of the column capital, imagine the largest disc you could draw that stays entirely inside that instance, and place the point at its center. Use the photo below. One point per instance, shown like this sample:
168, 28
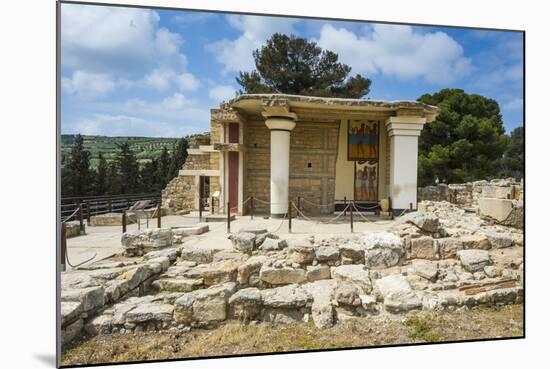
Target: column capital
405, 125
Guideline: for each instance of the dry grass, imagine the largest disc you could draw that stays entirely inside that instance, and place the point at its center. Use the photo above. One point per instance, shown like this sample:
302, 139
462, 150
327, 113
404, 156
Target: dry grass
235, 339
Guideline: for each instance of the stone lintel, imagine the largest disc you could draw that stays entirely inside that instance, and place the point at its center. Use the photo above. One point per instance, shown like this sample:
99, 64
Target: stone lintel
229, 147
200, 172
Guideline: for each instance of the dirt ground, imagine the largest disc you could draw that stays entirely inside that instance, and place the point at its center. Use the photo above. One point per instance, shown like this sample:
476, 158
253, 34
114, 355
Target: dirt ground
235, 339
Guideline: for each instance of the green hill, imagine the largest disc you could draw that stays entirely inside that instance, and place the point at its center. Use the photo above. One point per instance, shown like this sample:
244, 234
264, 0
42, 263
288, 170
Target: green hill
145, 148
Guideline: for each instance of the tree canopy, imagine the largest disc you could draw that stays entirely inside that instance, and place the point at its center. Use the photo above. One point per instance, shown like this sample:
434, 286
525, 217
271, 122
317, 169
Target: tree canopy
466, 142
294, 65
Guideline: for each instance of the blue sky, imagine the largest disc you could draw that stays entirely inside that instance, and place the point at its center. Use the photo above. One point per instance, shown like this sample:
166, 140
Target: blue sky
140, 72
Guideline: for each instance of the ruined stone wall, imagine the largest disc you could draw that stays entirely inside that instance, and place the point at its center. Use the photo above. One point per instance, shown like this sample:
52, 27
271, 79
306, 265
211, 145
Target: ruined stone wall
468, 194
313, 151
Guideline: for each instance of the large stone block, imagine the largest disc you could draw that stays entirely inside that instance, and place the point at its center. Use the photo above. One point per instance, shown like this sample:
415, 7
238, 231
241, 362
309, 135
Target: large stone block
474, 260
354, 274
423, 248
382, 249
448, 247
284, 275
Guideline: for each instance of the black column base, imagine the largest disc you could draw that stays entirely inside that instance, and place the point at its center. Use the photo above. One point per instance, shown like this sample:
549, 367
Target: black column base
278, 216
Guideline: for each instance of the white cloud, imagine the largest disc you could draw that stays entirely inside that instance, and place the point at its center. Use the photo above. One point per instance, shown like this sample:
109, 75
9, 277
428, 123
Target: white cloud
236, 55
222, 92
88, 85
187, 82
398, 51
126, 43
514, 104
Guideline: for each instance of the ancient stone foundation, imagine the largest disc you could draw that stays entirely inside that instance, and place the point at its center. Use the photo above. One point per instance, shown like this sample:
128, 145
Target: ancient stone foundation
439, 258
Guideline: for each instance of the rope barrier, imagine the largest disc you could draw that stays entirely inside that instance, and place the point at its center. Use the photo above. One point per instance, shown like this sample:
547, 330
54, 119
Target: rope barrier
365, 207
379, 222
318, 221
70, 216
317, 205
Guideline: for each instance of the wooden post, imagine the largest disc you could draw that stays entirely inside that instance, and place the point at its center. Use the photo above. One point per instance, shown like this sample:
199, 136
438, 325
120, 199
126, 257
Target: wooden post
63, 246
212, 205
124, 221
390, 205
159, 214
351, 217
345, 203
110, 205
200, 209
289, 217
228, 218
411, 206
81, 218
251, 207
299, 203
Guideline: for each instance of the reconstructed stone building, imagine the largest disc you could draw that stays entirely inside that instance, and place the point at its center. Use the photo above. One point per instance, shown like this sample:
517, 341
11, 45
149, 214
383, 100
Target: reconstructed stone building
278, 147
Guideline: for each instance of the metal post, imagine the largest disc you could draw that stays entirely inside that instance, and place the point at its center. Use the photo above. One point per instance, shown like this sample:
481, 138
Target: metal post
411, 206
228, 218
390, 205
110, 205
200, 209
345, 203
251, 207
351, 217
212, 205
289, 216
63, 246
124, 221
159, 215
81, 218
299, 203
88, 213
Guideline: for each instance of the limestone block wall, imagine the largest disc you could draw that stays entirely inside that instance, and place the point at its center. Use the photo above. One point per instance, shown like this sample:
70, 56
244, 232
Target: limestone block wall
468, 194
313, 150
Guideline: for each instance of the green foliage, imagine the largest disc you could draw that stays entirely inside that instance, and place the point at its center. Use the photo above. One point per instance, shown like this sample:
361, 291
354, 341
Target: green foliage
124, 173
513, 160
423, 328
294, 65
466, 141
77, 176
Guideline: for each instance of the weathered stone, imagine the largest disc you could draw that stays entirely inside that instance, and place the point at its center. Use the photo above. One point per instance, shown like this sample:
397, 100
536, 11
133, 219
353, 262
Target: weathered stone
246, 304
398, 294
448, 247
270, 244
499, 240
251, 267
204, 307
423, 248
347, 294
328, 254
425, 221
230, 255
354, 274
70, 311
352, 254
91, 297
490, 271
284, 275
322, 310
383, 249
290, 296
150, 311
243, 241
101, 324
178, 284
475, 241
317, 272
301, 252
426, 269
115, 289
220, 272
136, 276
71, 331
197, 255
192, 230
474, 260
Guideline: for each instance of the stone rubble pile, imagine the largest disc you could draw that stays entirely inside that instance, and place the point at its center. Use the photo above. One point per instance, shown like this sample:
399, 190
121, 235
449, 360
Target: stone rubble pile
439, 258
140, 242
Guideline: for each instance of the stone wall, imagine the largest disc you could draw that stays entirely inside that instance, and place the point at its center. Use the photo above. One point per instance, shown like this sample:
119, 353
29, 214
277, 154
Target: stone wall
468, 194
313, 151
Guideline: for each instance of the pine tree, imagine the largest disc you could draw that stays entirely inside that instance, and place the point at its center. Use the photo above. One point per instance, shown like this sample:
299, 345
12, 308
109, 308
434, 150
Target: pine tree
101, 178
77, 175
178, 158
163, 167
128, 169
113, 179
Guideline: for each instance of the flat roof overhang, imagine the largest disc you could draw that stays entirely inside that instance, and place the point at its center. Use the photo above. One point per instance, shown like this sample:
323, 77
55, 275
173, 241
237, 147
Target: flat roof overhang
329, 107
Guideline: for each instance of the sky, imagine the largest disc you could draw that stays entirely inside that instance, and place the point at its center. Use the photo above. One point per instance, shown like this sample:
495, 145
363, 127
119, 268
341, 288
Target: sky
152, 72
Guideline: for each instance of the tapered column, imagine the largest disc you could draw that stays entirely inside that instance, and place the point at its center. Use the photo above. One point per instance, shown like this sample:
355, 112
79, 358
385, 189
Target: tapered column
280, 127
403, 132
